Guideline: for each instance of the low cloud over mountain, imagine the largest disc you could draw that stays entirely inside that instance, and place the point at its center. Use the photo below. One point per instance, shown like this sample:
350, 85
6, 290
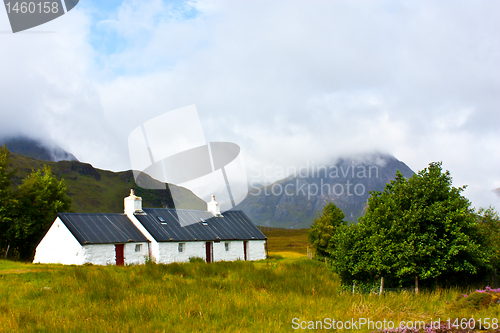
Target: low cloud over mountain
295, 201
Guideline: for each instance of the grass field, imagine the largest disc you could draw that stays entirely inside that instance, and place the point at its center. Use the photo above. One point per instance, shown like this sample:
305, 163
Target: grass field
263, 296
287, 240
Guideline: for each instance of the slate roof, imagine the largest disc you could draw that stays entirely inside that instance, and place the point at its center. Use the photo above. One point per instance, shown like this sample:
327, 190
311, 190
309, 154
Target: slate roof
233, 225
102, 228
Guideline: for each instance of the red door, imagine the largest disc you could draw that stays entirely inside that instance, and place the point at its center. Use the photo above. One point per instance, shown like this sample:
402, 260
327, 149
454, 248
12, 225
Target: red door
245, 249
208, 246
119, 254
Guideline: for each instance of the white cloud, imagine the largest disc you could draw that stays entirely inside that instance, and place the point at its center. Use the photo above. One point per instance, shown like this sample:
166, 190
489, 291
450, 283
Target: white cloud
288, 81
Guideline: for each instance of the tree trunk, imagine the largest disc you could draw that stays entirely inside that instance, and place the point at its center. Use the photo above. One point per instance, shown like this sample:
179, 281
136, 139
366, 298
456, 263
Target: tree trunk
381, 286
7, 252
416, 284
353, 286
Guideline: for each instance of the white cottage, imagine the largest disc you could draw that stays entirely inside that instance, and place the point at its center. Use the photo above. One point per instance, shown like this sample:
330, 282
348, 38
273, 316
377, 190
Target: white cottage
138, 234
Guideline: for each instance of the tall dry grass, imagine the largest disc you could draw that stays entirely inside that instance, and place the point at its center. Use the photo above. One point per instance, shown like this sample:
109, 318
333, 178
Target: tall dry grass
198, 297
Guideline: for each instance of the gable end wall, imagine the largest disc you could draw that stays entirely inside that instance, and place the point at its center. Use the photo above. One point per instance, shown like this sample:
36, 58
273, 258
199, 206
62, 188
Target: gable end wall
59, 246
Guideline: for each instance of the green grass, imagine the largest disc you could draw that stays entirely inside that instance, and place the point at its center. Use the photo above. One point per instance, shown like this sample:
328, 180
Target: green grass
287, 240
238, 296
8, 265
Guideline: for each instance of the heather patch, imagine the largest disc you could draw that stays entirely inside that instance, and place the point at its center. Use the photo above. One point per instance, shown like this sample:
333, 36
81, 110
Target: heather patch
479, 299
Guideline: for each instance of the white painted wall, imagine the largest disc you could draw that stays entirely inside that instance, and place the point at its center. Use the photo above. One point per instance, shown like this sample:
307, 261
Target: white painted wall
235, 251
105, 254
100, 254
135, 258
59, 246
153, 245
256, 250
154, 249
169, 252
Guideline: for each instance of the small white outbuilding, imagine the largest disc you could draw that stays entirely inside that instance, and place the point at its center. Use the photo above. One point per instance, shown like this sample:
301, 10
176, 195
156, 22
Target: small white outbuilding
162, 235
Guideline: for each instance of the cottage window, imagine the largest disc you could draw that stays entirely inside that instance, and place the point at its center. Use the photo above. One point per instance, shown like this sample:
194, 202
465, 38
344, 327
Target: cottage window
138, 247
226, 245
182, 247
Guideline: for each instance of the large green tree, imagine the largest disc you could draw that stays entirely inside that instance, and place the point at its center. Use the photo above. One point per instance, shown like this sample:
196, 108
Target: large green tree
420, 227
6, 198
39, 198
27, 212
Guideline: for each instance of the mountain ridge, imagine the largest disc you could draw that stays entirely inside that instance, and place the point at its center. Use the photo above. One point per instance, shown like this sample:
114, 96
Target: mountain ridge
36, 149
295, 201
101, 191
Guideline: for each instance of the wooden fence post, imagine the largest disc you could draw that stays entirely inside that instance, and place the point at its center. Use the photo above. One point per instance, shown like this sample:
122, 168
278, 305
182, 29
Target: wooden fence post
416, 284
7, 252
353, 286
309, 253
381, 286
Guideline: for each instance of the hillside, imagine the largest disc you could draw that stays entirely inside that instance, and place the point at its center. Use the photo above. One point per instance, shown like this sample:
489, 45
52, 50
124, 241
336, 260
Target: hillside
36, 149
294, 202
100, 191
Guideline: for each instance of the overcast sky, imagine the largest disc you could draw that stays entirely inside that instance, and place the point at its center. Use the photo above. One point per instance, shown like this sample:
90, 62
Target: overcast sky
288, 81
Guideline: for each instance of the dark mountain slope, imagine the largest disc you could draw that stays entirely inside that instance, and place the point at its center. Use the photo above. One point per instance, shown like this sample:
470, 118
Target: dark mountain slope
294, 202
36, 149
100, 191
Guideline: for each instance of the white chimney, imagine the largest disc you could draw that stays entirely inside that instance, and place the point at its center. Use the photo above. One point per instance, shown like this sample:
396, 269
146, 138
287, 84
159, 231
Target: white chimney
133, 204
213, 207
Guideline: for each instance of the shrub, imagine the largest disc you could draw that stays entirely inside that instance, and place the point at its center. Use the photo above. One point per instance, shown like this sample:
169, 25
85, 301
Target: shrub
275, 256
479, 299
196, 259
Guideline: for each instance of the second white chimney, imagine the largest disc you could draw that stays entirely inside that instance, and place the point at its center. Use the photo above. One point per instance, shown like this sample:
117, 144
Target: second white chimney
213, 207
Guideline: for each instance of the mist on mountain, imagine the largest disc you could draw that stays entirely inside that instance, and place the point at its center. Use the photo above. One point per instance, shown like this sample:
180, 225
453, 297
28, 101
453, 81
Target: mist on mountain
36, 149
295, 201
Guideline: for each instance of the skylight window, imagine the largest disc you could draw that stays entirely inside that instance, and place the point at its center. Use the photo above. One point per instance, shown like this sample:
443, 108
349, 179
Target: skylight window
162, 220
203, 222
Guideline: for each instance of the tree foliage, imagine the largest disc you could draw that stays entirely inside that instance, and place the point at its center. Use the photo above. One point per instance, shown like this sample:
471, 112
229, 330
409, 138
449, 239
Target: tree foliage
6, 199
27, 212
489, 228
419, 227
324, 227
